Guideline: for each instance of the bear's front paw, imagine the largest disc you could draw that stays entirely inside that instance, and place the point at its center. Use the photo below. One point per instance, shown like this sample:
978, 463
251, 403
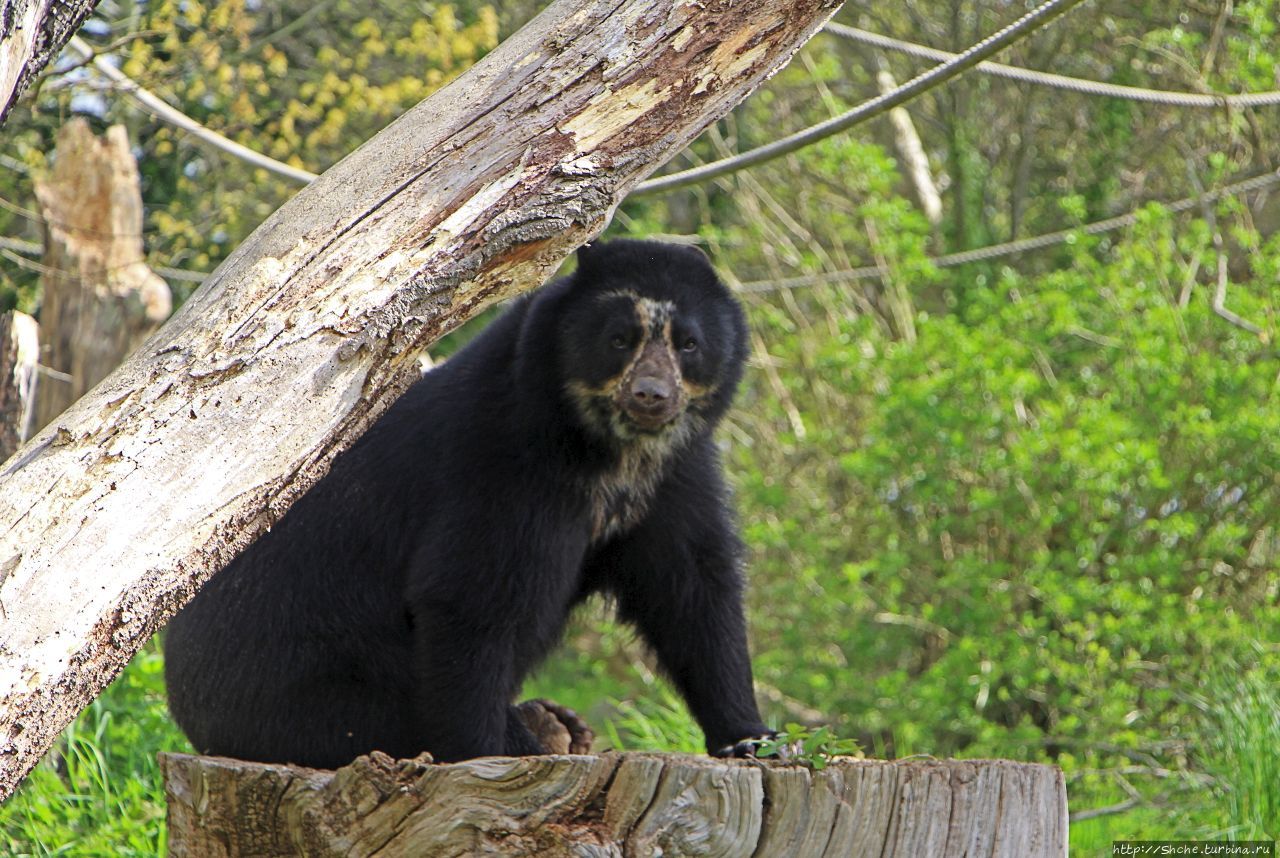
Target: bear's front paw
558, 728
743, 748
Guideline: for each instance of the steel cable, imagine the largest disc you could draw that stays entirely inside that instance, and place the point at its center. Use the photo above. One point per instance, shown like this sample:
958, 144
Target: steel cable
935, 76
1072, 84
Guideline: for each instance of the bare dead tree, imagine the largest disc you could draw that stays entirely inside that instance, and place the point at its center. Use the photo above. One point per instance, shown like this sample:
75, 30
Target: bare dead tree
99, 299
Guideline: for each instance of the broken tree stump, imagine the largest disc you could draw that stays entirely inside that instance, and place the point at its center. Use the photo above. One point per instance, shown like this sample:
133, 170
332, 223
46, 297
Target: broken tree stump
99, 298
615, 805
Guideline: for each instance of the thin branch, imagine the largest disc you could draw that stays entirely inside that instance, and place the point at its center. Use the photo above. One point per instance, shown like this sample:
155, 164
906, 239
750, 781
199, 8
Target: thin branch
288, 29
24, 263
1218, 303
1109, 810
156, 106
1220, 292
17, 245
1225, 9
11, 163
1009, 248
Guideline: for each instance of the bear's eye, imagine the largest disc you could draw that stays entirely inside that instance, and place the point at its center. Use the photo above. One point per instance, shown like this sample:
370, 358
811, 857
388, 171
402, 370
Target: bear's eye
689, 345
618, 341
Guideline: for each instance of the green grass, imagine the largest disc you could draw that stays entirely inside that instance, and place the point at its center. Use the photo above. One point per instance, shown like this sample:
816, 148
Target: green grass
1236, 761
1242, 754
1092, 838
98, 793
654, 723
602, 674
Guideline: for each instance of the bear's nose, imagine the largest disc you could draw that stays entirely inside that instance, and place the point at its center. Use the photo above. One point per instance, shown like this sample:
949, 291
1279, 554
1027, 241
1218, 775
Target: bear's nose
650, 390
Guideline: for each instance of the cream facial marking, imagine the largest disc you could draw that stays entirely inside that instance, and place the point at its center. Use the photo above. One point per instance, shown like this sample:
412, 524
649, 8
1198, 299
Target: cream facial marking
619, 498
651, 393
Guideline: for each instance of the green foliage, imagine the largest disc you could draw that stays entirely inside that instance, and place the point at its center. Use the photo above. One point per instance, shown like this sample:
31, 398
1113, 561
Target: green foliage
294, 94
304, 83
1023, 533
814, 748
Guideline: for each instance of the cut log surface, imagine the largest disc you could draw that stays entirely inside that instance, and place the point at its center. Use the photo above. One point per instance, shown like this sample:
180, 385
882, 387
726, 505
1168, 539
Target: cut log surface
616, 805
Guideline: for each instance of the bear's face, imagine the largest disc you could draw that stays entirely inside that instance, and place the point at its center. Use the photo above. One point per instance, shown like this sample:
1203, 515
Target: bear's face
651, 350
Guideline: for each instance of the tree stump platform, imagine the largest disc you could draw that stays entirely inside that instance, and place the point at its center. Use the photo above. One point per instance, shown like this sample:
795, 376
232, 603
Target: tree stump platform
616, 805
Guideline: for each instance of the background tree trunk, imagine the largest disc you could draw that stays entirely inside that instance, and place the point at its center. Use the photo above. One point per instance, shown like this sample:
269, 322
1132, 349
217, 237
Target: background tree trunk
308, 331
915, 163
616, 805
99, 300
19, 350
31, 34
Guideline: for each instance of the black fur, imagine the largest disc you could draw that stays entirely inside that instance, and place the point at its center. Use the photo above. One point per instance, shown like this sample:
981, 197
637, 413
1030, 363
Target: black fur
401, 602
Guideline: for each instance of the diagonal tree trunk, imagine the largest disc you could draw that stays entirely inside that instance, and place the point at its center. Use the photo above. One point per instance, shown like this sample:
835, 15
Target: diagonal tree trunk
113, 515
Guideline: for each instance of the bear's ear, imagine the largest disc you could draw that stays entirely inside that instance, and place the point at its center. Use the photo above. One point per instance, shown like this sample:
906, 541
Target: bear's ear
697, 252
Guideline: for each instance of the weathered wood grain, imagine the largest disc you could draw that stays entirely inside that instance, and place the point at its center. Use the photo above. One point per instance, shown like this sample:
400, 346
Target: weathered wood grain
140, 491
616, 805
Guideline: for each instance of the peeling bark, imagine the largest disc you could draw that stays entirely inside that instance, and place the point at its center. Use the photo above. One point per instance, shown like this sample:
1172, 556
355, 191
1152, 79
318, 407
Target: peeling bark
151, 482
616, 805
31, 34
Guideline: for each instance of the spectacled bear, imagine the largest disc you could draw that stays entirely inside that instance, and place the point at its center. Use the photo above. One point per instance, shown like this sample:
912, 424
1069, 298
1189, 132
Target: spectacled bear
567, 450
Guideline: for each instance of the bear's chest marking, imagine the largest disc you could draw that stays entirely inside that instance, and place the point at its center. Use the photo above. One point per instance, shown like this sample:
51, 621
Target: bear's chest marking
619, 498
